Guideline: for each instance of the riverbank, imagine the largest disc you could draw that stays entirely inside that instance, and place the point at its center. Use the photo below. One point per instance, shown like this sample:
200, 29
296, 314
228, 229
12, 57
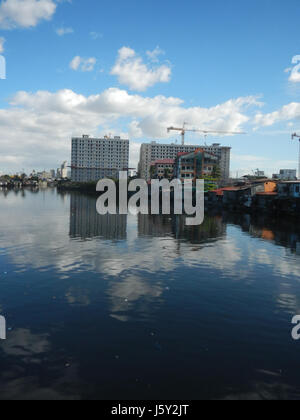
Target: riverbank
266, 203
83, 187
273, 206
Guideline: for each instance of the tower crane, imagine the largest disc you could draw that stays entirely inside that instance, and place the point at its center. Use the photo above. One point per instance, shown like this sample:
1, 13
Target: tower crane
297, 136
183, 130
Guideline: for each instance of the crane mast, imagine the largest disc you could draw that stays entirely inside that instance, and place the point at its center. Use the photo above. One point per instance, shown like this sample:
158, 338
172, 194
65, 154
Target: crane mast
297, 136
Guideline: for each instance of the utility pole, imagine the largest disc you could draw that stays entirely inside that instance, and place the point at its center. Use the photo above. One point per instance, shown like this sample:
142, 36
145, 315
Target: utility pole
297, 136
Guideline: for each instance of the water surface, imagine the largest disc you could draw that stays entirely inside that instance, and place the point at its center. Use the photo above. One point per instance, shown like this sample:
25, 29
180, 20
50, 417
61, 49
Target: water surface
125, 307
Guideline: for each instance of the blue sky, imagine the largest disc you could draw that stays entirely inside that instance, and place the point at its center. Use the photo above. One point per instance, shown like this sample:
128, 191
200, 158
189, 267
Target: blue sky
113, 67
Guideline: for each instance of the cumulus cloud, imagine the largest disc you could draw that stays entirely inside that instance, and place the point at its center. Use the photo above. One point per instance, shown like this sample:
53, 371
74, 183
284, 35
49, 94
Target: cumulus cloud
2, 41
37, 127
294, 71
25, 13
134, 73
64, 31
286, 113
153, 55
83, 64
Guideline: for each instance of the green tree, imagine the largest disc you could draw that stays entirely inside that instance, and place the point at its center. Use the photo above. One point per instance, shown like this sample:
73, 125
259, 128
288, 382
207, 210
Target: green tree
152, 171
210, 183
216, 173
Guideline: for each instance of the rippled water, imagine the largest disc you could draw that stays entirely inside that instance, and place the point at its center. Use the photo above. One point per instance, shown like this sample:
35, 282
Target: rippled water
143, 307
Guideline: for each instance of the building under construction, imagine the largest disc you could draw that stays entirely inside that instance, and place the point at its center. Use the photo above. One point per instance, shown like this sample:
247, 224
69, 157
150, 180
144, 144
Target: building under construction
151, 152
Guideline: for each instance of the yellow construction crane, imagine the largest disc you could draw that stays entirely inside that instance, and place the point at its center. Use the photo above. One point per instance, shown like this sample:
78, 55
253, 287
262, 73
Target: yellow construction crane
183, 130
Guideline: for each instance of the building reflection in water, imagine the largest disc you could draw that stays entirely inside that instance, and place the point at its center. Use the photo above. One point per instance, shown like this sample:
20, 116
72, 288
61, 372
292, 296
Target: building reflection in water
184, 292
212, 228
277, 230
86, 223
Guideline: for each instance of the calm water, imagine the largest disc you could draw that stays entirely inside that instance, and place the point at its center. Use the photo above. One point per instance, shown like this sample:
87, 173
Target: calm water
142, 307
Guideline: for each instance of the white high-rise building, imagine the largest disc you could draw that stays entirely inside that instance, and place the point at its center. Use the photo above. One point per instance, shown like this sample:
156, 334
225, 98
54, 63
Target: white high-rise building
150, 152
94, 159
64, 170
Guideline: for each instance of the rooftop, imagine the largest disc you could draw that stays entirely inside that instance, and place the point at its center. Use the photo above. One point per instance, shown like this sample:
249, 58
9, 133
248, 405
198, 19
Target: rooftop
289, 182
163, 162
220, 191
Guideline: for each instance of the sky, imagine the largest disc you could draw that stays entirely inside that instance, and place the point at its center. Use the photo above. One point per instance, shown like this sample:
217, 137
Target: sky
135, 67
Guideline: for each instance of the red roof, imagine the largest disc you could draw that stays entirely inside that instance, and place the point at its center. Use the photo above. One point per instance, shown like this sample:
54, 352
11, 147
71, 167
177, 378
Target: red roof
163, 162
220, 191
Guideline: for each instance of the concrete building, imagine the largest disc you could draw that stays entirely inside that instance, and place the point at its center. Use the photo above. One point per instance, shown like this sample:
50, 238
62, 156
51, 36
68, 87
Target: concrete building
64, 170
286, 175
162, 169
44, 175
150, 152
95, 158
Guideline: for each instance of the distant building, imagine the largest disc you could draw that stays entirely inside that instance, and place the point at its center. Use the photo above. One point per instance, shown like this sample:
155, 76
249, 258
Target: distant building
53, 173
151, 152
44, 175
163, 168
286, 175
64, 170
95, 158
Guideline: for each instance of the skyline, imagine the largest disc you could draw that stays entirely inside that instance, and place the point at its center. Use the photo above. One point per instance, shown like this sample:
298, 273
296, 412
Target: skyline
78, 68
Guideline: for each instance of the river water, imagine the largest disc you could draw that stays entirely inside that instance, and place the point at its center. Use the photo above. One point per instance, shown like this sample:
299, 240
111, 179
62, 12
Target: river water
143, 307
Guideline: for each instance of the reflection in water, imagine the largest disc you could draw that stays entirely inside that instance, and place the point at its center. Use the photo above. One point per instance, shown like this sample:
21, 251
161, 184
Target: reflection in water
144, 307
86, 223
159, 226
282, 231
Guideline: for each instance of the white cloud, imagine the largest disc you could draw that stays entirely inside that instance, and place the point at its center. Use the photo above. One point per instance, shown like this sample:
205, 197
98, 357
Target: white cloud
95, 35
2, 41
75, 63
153, 55
294, 71
248, 158
25, 13
36, 128
286, 113
83, 64
64, 31
246, 164
134, 73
